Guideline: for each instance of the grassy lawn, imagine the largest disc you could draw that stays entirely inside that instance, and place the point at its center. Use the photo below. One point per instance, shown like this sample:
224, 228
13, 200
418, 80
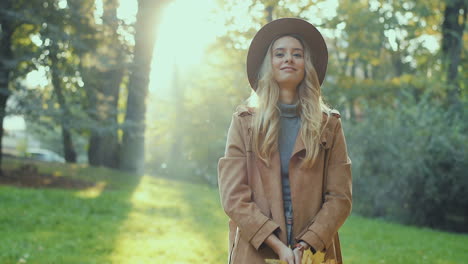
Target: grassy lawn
131, 219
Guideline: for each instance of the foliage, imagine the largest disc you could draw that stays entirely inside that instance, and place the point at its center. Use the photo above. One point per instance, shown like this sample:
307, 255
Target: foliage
82, 61
410, 162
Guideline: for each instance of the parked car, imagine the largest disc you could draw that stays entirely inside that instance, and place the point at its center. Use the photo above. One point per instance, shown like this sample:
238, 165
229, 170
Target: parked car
44, 155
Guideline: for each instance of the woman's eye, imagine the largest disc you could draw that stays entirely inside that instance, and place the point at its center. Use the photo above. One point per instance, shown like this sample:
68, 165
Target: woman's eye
279, 54
298, 55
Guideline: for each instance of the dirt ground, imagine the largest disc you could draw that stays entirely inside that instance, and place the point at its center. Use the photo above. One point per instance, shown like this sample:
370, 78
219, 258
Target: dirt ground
28, 176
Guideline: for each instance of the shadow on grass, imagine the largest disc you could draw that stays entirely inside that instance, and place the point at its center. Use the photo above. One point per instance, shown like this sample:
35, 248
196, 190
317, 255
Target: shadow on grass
208, 218
65, 226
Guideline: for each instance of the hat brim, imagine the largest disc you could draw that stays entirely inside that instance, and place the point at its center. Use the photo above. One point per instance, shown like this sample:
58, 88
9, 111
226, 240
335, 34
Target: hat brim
286, 26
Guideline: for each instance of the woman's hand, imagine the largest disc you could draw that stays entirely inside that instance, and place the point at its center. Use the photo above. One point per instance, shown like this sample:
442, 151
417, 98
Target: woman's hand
286, 254
299, 252
297, 256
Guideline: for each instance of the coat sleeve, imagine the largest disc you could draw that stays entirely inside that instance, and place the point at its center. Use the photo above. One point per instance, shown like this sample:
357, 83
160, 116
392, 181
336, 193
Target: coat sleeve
338, 196
235, 191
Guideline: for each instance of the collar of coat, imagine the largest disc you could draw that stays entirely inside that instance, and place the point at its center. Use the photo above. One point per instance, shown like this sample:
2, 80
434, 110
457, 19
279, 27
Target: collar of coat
327, 133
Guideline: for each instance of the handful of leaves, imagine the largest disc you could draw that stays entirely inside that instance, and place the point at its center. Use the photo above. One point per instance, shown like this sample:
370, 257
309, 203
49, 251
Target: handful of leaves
307, 258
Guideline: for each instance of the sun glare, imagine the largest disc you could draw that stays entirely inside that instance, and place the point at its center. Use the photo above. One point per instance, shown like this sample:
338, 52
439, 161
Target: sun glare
185, 31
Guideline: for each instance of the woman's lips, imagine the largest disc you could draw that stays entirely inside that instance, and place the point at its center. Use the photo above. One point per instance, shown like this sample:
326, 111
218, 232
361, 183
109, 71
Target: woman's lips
288, 69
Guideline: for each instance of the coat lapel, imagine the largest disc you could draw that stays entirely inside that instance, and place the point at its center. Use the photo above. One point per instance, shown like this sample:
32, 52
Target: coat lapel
299, 145
271, 178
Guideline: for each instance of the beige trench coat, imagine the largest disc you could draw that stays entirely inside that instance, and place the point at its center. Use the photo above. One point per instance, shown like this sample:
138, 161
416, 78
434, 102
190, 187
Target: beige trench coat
251, 192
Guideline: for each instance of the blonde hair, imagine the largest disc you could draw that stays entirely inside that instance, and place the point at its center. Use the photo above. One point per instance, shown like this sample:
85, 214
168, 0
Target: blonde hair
267, 115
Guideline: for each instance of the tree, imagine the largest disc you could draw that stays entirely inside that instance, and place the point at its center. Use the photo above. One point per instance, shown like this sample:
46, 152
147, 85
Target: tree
17, 20
56, 65
7, 29
132, 151
103, 70
66, 33
452, 43
56, 29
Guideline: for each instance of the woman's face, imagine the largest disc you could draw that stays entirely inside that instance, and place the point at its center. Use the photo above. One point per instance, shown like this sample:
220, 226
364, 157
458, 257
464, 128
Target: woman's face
288, 61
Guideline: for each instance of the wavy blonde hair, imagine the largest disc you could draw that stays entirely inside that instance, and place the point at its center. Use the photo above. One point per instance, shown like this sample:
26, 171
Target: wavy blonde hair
267, 117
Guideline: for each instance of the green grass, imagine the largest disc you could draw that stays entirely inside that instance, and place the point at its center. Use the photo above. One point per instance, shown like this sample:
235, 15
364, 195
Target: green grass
131, 219
375, 241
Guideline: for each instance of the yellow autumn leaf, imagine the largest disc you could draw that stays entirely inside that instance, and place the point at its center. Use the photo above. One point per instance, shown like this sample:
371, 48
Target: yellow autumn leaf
310, 258
318, 258
307, 258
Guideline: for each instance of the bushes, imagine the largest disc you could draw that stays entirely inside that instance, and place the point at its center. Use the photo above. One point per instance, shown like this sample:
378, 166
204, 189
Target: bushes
410, 164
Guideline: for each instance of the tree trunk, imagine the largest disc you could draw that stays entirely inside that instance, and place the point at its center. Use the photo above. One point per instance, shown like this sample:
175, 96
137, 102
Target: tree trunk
176, 154
365, 66
3, 101
397, 63
6, 54
452, 39
132, 152
351, 98
68, 149
269, 13
92, 85
103, 143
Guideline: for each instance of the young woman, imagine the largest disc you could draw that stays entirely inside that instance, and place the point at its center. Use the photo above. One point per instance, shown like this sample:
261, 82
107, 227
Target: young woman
285, 178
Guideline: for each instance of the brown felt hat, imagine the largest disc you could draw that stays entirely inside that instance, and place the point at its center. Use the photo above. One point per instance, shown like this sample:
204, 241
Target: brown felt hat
286, 26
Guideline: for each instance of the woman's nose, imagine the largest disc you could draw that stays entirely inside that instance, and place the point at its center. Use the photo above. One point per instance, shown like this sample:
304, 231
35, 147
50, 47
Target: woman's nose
288, 58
